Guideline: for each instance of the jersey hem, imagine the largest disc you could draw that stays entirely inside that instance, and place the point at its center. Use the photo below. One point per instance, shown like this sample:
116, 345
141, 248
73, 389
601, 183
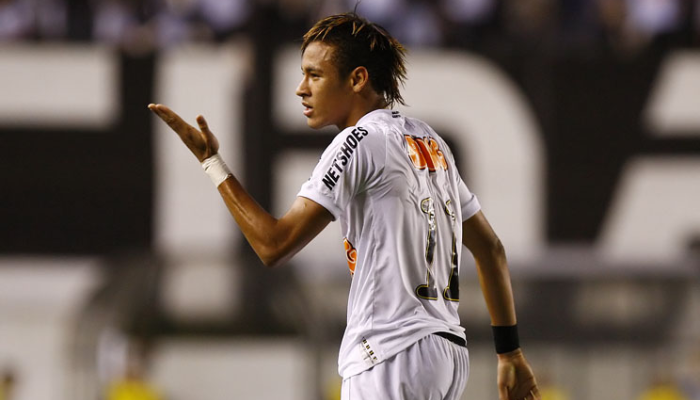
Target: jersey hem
360, 368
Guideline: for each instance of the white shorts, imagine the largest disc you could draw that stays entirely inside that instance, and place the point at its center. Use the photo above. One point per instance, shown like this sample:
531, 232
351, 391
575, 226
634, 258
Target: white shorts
431, 369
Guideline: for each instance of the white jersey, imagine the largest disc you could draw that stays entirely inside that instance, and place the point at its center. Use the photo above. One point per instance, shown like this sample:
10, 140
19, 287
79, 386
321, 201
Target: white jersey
393, 184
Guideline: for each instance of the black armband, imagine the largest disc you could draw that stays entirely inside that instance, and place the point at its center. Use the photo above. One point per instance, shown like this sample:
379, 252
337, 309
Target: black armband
506, 338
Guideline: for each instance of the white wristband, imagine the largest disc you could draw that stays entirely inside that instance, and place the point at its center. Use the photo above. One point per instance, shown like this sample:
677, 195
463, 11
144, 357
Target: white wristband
216, 168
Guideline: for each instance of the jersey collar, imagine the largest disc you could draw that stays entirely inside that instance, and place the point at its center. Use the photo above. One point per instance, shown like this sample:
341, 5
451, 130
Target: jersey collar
378, 112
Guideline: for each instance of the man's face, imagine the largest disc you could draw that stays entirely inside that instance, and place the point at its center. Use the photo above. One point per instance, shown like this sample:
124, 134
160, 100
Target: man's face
326, 96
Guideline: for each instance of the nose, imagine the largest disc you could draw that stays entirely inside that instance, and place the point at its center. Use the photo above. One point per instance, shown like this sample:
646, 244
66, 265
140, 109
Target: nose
302, 88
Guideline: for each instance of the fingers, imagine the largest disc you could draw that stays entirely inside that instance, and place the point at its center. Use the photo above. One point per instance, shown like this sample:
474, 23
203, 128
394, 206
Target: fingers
171, 118
160, 111
533, 394
518, 393
167, 115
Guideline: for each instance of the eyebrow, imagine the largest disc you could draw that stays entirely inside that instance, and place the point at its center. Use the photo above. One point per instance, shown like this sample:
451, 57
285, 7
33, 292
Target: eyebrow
309, 69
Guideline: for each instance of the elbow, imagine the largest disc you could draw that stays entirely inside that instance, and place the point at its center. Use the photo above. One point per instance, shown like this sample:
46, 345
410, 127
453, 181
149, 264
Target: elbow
498, 253
497, 250
492, 253
275, 249
267, 260
271, 261
272, 256
268, 249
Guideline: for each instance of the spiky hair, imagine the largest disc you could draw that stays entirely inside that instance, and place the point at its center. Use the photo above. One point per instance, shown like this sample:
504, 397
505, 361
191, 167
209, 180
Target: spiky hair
358, 42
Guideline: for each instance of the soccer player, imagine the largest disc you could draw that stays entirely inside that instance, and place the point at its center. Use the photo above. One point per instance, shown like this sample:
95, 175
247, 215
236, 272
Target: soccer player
393, 184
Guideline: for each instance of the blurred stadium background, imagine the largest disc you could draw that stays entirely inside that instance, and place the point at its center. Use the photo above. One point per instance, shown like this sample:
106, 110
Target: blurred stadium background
577, 122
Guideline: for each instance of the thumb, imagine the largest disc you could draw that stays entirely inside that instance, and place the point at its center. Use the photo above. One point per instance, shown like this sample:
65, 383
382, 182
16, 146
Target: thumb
203, 126
211, 140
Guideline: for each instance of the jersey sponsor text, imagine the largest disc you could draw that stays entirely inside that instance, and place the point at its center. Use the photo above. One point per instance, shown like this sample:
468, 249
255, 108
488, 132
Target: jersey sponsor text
342, 158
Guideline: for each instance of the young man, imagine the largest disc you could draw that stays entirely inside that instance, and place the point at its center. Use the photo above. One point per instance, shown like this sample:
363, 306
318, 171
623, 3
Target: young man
393, 183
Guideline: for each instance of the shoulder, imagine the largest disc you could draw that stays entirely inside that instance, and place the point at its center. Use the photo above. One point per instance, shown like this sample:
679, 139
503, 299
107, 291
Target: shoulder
367, 132
354, 137
365, 142
421, 128
427, 130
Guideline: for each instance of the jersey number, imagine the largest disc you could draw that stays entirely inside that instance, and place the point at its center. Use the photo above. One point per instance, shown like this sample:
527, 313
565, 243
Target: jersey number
429, 290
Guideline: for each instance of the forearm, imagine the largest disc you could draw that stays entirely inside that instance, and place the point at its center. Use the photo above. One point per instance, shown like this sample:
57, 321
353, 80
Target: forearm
494, 278
274, 240
260, 228
515, 378
492, 266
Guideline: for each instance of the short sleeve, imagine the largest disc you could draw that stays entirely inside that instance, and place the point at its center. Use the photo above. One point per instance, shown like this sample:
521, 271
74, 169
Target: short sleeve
468, 201
350, 164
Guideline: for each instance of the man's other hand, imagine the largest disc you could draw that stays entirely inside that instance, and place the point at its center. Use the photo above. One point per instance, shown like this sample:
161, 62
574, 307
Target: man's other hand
516, 380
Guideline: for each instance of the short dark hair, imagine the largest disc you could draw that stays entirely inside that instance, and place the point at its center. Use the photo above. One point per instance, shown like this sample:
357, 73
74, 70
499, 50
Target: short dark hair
359, 42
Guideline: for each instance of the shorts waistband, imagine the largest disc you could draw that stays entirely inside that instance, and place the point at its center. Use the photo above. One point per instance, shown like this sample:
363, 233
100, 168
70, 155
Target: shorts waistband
452, 338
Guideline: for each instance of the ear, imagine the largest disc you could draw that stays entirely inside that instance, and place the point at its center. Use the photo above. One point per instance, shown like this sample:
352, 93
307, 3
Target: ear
359, 79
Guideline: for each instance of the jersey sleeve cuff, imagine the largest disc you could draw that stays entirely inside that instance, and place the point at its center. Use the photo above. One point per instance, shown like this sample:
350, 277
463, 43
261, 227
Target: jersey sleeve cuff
322, 200
470, 208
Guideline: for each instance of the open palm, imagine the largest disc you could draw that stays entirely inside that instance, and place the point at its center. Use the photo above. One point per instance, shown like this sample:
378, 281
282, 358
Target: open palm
201, 142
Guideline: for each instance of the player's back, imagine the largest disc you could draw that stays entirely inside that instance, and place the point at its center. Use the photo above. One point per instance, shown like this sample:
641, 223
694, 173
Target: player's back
403, 232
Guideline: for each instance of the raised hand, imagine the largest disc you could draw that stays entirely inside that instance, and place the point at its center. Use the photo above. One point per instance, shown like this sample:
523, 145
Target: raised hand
516, 380
202, 143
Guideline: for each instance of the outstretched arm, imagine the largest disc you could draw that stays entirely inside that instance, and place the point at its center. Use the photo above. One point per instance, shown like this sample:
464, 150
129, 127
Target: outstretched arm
274, 240
516, 380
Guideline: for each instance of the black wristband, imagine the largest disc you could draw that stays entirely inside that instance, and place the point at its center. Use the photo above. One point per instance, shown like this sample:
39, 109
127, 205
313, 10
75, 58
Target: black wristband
506, 338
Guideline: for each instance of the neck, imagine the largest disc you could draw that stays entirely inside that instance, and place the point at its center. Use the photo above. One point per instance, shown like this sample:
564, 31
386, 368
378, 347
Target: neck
359, 112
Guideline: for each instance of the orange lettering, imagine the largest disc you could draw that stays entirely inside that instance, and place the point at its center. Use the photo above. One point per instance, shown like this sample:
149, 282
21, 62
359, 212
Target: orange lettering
425, 149
437, 154
425, 152
414, 152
